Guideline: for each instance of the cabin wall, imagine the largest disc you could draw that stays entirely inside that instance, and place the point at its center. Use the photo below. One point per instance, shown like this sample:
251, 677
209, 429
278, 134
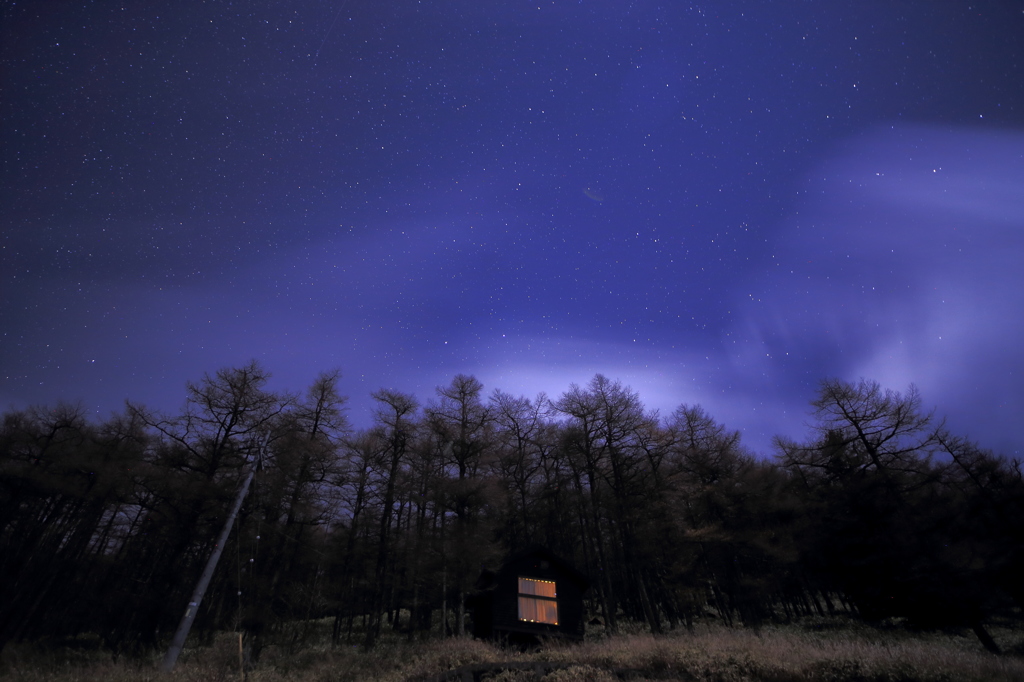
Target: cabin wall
505, 604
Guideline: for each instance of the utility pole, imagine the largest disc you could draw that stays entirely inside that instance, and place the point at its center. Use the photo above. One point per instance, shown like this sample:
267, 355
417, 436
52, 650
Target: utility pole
204, 580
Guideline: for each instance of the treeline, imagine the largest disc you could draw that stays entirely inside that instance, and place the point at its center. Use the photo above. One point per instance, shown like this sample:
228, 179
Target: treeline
105, 527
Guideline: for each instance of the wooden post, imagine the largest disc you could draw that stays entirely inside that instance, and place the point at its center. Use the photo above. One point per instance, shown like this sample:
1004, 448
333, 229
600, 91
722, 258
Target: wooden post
178, 643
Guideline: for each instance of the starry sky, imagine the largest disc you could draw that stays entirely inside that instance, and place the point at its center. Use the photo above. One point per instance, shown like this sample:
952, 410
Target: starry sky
719, 203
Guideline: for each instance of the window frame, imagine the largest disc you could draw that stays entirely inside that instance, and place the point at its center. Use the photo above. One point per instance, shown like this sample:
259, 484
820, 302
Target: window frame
537, 600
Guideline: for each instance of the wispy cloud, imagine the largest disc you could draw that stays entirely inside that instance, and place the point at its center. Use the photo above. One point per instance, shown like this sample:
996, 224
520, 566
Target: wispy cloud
904, 266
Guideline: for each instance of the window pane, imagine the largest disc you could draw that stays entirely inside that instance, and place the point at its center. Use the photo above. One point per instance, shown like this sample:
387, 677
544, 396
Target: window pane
527, 609
538, 610
547, 611
541, 588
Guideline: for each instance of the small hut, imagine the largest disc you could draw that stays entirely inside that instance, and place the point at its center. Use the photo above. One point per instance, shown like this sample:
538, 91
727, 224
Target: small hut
534, 594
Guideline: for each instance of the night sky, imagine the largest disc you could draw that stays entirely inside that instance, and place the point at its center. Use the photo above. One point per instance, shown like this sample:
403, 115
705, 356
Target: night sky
719, 203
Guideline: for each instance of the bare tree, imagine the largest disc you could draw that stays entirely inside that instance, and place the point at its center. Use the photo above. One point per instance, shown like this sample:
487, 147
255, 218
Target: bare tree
885, 425
394, 417
461, 427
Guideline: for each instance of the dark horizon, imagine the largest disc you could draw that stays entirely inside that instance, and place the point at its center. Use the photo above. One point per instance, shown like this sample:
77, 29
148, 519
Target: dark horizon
359, 412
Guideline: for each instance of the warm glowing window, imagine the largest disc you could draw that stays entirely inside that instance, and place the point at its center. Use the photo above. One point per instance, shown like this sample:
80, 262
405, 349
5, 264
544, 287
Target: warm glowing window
537, 602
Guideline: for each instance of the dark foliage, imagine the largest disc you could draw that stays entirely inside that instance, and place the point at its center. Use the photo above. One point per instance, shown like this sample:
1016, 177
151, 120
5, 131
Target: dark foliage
105, 527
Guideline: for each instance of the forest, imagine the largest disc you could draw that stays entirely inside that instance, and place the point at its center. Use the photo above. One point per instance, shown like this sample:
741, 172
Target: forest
106, 526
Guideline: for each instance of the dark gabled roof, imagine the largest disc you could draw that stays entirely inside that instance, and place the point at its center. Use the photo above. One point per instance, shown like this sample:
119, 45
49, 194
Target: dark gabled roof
547, 555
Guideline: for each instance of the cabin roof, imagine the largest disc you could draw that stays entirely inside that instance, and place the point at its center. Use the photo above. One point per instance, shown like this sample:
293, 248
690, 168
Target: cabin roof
513, 562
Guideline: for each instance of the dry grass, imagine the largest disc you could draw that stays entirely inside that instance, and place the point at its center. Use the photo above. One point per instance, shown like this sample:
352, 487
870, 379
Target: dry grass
792, 654
848, 653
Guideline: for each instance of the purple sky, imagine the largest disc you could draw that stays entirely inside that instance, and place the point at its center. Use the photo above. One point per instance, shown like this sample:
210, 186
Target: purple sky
718, 204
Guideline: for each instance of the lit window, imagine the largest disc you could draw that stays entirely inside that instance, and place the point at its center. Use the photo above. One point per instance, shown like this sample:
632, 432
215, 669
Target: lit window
537, 601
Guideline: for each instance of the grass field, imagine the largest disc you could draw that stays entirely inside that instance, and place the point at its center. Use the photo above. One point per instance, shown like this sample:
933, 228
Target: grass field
814, 651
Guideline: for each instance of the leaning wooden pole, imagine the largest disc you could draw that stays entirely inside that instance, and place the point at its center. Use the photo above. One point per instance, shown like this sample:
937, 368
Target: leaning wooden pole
204, 580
